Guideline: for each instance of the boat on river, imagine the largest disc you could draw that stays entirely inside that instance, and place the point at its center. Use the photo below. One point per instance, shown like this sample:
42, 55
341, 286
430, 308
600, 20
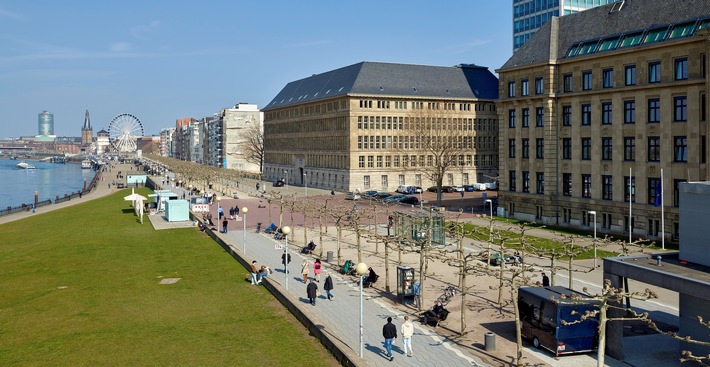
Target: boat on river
25, 165
86, 164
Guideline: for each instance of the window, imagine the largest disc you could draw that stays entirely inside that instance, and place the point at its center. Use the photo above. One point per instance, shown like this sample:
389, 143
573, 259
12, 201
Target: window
629, 188
539, 116
681, 68
526, 148
654, 149
526, 117
607, 187
511, 89
511, 148
676, 192
567, 81
680, 109
607, 149
540, 148
608, 78
384, 182
586, 114
540, 182
606, 113
629, 148
586, 149
654, 110
586, 186
680, 149
567, 184
511, 180
654, 72
526, 181
630, 112
361, 161
654, 183
511, 119
539, 86
566, 148
524, 87
630, 75
566, 115
418, 179
379, 161
366, 181
586, 80
370, 161
606, 221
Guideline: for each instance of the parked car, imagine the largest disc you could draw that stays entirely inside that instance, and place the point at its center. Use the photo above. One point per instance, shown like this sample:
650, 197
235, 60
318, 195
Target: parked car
431, 189
491, 185
418, 189
458, 188
382, 195
469, 188
394, 198
448, 189
409, 200
352, 196
405, 189
279, 183
370, 193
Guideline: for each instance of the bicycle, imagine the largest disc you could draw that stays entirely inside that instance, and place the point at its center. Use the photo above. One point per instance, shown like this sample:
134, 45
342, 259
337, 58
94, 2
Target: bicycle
449, 293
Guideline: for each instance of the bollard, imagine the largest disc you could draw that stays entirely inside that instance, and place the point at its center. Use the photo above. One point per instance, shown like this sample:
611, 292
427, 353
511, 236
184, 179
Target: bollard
490, 342
658, 260
329, 256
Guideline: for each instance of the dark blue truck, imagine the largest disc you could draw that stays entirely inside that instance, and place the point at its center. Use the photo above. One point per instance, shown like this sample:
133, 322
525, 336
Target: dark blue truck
542, 312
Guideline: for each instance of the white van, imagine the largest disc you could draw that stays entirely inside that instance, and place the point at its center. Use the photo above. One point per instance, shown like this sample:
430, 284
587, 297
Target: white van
405, 189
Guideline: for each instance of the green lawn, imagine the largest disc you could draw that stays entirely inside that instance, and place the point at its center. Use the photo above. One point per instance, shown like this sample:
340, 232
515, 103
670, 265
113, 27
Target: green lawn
79, 287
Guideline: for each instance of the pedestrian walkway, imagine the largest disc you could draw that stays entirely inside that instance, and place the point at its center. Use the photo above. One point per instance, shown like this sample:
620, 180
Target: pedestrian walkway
341, 315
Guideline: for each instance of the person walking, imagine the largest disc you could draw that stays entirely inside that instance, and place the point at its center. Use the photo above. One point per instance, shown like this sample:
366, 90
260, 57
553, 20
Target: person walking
312, 292
328, 286
304, 271
224, 224
389, 331
254, 270
407, 331
285, 259
545, 280
316, 270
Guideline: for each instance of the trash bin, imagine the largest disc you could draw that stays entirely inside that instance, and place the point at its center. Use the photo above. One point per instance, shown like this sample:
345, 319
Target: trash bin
490, 342
329, 256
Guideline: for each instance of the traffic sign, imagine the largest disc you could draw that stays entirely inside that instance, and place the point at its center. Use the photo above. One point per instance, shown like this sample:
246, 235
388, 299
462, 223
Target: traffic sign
278, 246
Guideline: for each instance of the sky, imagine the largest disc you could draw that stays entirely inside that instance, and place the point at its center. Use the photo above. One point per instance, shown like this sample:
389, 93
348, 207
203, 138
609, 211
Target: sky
162, 60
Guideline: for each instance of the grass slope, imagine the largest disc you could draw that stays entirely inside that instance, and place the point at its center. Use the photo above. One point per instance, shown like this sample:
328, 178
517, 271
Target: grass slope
79, 286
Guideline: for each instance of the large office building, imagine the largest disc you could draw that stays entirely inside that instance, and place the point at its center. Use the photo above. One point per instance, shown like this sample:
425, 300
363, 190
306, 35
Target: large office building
366, 126
530, 15
603, 113
45, 126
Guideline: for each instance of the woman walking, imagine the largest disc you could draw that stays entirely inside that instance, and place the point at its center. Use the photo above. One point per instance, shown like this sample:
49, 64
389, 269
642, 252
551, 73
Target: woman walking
328, 286
316, 270
304, 271
312, 292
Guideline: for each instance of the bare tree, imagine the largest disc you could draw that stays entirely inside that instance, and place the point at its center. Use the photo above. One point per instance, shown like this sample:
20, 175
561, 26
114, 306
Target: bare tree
252, 145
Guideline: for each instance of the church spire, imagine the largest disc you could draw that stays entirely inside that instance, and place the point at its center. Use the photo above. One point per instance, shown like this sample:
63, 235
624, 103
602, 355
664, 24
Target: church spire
87, 122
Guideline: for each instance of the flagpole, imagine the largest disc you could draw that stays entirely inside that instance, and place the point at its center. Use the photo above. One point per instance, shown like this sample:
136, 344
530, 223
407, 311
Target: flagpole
663, 219
631, 218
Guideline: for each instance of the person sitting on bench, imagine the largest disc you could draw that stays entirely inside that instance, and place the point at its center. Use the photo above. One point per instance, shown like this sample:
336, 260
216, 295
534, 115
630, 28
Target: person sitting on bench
435, 312
371, 278
309, 248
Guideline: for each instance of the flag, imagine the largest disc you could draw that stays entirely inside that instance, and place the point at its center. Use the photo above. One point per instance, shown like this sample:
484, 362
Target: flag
659, 193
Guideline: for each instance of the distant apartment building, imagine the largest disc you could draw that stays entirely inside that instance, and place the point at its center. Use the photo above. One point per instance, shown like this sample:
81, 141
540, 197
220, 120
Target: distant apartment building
530, 15
603, 113
228, 131
166, 141
351, 128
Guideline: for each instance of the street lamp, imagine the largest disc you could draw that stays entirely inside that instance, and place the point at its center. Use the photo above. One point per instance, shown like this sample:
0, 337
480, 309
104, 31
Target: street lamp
490, 232
287, 177
305, 184
286, 230
593, 213
219, 217
361, 270
244, 234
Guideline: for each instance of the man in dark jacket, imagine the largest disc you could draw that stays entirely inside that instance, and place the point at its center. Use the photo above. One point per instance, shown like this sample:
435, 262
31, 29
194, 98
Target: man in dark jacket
312, 292
285, 259
389, 331
328, 286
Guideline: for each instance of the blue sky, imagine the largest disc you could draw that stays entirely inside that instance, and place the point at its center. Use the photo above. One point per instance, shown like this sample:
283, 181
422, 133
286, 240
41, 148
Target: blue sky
163, 60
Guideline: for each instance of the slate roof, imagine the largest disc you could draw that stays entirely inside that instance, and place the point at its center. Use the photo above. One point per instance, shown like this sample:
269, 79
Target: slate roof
389, 79
599, 22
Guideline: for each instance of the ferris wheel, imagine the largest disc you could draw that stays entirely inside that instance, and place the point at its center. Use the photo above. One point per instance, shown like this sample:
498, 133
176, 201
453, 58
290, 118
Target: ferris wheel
123, 132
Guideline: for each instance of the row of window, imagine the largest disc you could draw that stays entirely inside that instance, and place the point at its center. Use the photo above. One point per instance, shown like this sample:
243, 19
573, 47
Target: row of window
416, 142
653, 153
384, 180
405, 123
607, 184
680, 72
420, 105
405, 161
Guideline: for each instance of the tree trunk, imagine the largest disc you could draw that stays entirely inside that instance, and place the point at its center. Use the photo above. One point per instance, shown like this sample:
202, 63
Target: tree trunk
602, 333
462, 285
569, 272
518, 334
387, 267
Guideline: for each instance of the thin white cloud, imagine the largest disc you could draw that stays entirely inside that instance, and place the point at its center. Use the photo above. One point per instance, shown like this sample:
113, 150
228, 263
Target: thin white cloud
141, 31
8, 14
120, 47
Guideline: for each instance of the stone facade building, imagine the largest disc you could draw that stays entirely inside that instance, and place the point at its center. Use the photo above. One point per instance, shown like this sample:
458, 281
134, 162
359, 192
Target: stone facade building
603, 113
358, 127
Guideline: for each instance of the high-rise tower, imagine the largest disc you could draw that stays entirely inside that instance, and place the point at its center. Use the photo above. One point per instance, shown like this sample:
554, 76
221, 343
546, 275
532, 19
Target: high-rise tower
86, 132
45, 123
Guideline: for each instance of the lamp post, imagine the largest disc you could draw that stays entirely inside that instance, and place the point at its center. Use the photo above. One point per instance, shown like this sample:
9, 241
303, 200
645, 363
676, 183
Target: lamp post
219, 218
244, 234
361, 270
490, 232
286, 230
305, 184
287, 177
594, 214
